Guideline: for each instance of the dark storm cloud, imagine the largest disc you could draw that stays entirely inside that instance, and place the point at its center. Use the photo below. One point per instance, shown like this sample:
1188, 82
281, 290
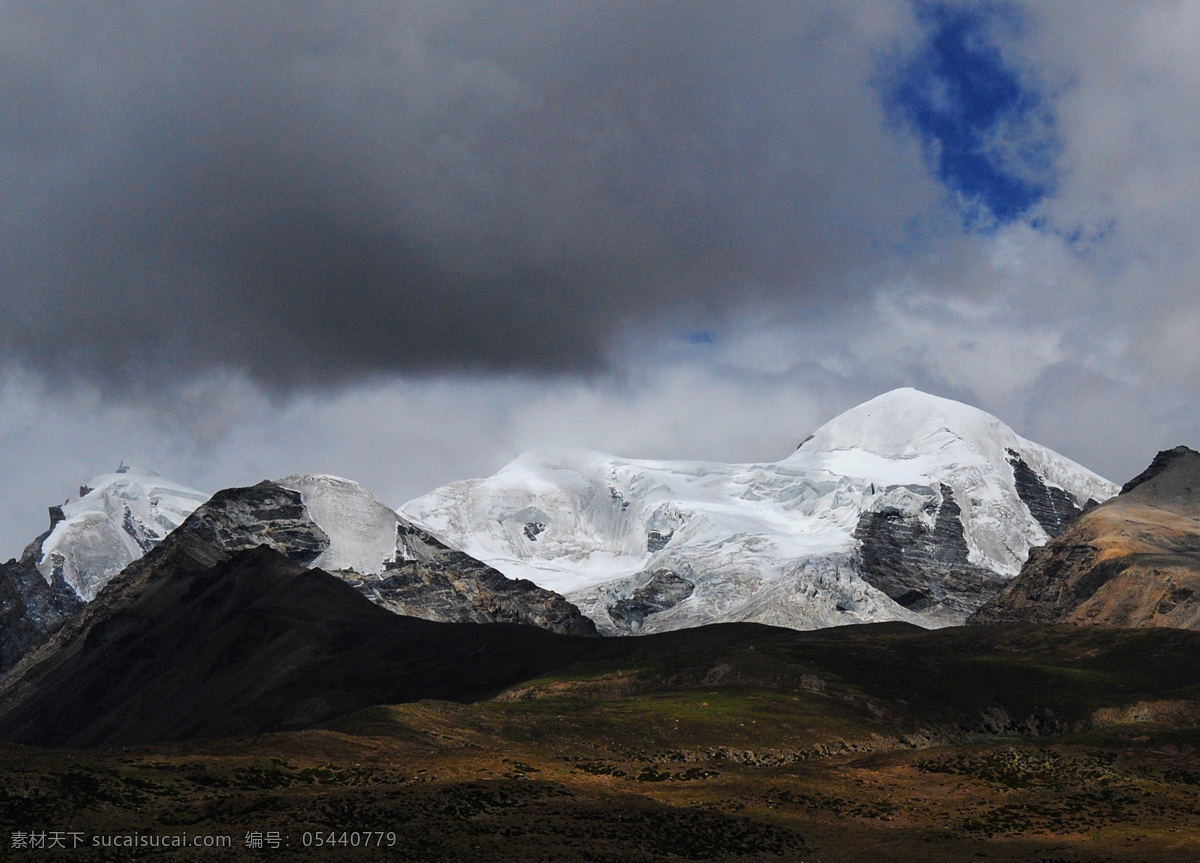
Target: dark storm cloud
313, 191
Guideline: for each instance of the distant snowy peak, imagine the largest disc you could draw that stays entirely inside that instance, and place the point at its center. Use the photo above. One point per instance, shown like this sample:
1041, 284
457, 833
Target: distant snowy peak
362, 530
1012, 493
115, 520
907, 424
908, 507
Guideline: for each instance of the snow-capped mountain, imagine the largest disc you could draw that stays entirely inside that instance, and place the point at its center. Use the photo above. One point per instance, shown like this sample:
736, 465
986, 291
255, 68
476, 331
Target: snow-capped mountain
908, 507
116, 519
400, 566
316, 520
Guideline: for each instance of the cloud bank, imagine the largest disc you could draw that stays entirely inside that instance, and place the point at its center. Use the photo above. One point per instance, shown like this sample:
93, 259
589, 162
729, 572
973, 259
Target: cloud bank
313, 191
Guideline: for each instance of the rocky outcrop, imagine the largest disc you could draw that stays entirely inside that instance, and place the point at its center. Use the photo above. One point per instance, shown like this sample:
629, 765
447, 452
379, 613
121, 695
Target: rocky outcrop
1051, 507
1161, 462
920, 560
267, 514
664, 590
30, 607
1132, 561
432, 581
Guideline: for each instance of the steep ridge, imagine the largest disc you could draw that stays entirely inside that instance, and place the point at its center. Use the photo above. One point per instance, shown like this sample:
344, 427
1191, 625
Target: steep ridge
322, 519
909, 507
1132, 561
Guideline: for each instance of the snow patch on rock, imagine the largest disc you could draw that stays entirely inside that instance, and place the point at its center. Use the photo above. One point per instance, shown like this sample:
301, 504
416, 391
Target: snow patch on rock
361, 528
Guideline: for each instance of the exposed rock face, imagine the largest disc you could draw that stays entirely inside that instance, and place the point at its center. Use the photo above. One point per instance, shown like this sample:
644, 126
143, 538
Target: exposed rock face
1132, 561
664, 590
1178, 484
1051, 507
423, 577
921, 566
429, 580
657, 541
400, 566
265, 514
30, 608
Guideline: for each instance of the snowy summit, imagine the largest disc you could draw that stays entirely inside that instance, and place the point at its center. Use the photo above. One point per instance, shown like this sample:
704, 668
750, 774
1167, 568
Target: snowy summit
116, 519
907, 507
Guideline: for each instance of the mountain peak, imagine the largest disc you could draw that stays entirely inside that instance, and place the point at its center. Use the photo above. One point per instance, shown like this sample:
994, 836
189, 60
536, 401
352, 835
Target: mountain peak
645, 546
116, 518
1168, 461
904, 421
1133, 561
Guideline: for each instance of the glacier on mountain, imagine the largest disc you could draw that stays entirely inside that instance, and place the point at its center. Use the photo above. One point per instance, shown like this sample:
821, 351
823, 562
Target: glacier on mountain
823, 537
362, 529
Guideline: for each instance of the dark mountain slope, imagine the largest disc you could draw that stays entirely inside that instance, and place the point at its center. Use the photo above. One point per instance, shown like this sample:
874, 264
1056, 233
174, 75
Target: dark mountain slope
200, 645
427, 579
250, 643
195, 642
1132, 561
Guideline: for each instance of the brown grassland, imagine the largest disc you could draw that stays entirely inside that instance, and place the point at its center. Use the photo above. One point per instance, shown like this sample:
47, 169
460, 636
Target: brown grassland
862, 744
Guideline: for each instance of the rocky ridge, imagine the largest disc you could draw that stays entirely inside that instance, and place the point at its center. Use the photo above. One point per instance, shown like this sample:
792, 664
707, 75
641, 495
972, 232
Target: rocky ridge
1131, 561
407, 570
422, 577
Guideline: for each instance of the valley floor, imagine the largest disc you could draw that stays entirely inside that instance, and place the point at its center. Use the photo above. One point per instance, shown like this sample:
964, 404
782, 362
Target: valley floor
710, 774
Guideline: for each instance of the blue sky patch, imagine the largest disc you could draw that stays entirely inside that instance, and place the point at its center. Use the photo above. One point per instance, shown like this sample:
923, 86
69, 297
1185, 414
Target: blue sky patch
990, 138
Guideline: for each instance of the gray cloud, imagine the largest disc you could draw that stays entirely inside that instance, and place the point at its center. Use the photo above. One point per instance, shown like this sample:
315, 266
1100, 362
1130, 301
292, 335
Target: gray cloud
314, 191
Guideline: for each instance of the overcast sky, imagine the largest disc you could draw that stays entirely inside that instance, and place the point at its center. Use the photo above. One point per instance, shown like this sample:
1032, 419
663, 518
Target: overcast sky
402, 242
